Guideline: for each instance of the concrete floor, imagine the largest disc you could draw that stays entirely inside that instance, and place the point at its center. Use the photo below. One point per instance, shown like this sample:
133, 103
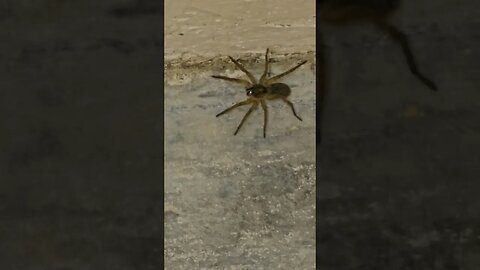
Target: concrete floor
238, 202
244, 201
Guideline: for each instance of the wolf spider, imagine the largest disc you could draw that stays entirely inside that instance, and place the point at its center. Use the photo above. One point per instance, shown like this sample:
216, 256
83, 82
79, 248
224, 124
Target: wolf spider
260, 91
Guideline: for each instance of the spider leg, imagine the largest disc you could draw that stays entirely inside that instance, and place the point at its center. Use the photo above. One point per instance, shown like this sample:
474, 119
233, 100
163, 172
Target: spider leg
234, 106
402, 39
274, 78
254, 106
250, 76
236, 80
291, 106
264, 75
265, 117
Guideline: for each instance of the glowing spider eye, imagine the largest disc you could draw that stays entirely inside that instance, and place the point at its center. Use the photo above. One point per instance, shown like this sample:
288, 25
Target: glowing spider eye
249, 92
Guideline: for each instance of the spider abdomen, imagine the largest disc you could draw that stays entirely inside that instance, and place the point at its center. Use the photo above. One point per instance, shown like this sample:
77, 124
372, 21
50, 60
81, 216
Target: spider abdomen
278, 90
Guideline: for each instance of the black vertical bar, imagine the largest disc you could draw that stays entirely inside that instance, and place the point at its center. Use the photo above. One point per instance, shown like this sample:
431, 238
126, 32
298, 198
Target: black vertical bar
320, 94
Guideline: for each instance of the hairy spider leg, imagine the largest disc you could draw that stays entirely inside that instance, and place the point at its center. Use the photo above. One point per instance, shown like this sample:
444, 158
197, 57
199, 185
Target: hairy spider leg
240, 81
234, 106
274, 78
254, 106
250, 76
265, 117
291, 106
264, 75
400, 38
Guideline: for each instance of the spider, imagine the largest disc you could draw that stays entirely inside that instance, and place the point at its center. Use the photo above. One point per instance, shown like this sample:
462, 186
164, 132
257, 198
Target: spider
260, 91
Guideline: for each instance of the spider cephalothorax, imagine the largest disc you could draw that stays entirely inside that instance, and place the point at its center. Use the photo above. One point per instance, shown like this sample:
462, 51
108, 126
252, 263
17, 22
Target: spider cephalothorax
258, 92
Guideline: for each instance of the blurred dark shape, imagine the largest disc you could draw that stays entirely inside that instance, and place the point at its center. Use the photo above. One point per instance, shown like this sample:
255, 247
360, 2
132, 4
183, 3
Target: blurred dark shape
378, 13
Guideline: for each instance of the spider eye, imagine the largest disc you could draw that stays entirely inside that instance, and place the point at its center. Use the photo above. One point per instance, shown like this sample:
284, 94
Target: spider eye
249, 93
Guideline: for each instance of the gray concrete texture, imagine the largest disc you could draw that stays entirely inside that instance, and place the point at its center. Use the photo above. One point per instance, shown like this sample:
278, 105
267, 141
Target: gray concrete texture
239, 201
244, 201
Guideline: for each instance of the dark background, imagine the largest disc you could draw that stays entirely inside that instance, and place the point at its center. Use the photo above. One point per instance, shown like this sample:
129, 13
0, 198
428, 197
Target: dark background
81, 138
398, 167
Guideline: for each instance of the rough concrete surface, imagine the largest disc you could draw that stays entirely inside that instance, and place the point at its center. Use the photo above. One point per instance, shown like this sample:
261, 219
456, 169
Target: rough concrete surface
239, 201
244, 201
399, 164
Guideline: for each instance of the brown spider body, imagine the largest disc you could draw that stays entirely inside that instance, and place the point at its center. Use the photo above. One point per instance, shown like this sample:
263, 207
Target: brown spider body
258, 92
271, 92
